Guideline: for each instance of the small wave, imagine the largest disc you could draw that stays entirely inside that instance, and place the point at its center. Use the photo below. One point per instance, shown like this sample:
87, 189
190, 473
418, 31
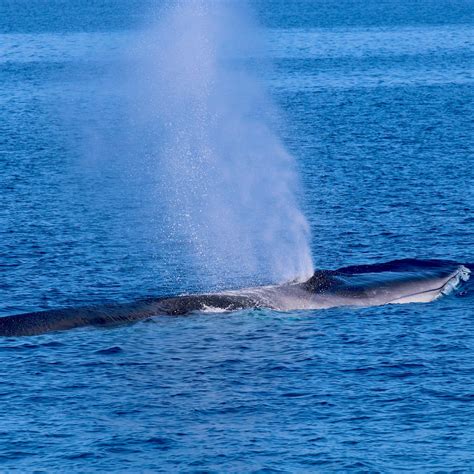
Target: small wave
110, 350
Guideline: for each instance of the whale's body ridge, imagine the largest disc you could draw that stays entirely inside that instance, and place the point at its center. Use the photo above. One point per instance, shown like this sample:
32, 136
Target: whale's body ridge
396, 282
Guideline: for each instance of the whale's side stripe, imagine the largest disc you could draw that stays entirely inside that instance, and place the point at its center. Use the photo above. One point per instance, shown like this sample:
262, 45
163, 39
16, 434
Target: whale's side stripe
462, 274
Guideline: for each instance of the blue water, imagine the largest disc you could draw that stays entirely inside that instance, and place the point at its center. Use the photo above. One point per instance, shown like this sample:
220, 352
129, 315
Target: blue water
377, 109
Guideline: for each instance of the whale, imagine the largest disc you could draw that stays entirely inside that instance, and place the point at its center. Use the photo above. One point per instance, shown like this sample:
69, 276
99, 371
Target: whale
395, 282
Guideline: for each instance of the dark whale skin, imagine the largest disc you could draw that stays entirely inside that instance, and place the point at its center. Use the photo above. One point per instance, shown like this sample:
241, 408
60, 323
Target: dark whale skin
29, 324
361, 285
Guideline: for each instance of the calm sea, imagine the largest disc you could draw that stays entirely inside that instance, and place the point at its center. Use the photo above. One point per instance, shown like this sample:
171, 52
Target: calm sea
376, 104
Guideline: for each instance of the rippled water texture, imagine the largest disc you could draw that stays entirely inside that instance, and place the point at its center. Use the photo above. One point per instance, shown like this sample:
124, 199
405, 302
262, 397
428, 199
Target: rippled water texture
377, 109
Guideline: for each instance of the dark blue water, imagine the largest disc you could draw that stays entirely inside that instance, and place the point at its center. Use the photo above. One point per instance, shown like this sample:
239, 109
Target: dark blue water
376, 98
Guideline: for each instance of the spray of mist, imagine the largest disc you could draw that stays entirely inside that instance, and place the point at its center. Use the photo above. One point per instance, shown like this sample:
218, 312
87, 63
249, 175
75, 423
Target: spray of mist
225, 184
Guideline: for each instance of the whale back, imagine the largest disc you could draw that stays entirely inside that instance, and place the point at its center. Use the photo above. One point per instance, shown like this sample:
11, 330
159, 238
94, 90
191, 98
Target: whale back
400, 281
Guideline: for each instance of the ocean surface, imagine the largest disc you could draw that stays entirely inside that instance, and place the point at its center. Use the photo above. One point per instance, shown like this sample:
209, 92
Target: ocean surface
376, 106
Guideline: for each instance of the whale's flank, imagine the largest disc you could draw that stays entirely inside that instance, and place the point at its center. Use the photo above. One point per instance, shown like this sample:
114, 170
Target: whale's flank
397, 282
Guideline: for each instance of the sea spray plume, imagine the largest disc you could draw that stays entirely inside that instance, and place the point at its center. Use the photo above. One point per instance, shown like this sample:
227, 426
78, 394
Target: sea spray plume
226, 180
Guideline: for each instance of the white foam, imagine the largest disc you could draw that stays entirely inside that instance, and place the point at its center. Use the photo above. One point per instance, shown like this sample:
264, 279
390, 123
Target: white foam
462, 274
